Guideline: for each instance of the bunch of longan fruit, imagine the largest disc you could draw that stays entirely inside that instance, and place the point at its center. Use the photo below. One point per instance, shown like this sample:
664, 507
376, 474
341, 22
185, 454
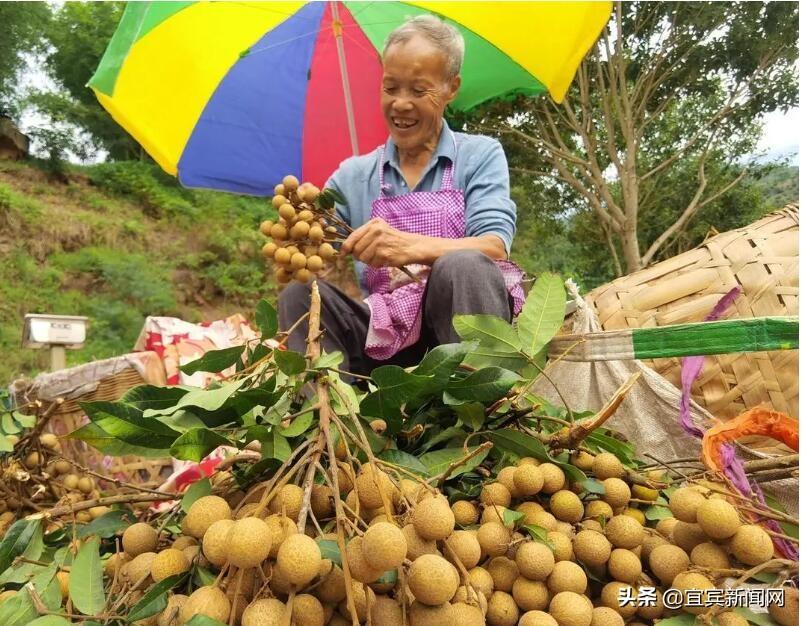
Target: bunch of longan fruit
302, 237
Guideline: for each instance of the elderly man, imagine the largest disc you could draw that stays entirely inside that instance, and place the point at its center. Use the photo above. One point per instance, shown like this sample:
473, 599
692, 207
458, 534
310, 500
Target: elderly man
431, 200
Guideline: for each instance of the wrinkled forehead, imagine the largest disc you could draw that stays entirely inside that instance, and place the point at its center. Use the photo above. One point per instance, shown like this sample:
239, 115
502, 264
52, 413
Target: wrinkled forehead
415, 58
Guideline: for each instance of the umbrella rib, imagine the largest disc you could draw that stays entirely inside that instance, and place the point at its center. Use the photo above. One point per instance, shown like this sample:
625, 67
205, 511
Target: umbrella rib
282, 43
359, 44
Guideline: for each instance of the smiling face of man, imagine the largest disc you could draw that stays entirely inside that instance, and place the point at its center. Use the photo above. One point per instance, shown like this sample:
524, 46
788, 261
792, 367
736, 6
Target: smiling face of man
415, 92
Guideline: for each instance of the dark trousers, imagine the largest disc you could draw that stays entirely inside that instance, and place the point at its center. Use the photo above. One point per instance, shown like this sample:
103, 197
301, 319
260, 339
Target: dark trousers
462, 282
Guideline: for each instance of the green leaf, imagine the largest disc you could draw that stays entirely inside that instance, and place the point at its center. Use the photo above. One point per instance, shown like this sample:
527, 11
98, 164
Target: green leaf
203, 577
760, 619
395, 388
203, 620
26, 421
403, 459
155, 600
127, 424
520, 444
276, 447
445, 435
539, 534
472, 414
98, 438
18, 610
349, 396
153, 397
593, 486
86, 579
210, 399
485, 357
16, 541
50, 620
443, 360
388, 578
260, 351
511, 517
289, 362
266, 319
542, 314
489, 331
197, 443
197, 490
599, 440
336, 195
214, 361
5, 444
328, 360
655, 512
107, 524
329, 550
486, 385
298, 426
9, 425
684, 619
438, 461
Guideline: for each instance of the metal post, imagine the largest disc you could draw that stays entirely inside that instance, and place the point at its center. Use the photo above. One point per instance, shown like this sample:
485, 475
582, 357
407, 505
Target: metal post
337, 30
58, 358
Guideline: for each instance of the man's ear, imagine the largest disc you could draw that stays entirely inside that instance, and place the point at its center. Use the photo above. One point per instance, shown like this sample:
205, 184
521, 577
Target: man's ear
453, 86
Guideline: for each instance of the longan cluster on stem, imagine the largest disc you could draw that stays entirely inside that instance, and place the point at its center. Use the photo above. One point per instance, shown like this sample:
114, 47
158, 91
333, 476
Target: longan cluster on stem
302, 237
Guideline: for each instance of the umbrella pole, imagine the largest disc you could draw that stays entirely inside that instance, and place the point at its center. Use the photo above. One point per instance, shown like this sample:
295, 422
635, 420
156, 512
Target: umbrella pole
337, 29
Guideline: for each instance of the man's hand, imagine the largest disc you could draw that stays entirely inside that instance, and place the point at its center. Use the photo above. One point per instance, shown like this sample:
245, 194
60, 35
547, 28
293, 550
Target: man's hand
377, 244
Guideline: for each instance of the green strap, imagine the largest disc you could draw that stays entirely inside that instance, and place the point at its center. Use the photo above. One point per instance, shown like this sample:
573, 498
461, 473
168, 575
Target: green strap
719, 337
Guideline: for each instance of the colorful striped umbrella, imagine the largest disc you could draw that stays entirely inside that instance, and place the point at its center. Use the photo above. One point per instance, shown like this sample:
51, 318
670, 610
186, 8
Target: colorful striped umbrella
235, 95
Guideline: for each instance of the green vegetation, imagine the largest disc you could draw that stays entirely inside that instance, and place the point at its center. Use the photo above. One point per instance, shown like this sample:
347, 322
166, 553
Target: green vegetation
118, 242
122, 240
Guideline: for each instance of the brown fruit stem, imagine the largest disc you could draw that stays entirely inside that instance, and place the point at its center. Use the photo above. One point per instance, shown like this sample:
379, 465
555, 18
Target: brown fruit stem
120, 499
483, 446
571, 438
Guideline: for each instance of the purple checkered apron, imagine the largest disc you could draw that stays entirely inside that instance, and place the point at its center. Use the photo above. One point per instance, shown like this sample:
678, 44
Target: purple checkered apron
395, 300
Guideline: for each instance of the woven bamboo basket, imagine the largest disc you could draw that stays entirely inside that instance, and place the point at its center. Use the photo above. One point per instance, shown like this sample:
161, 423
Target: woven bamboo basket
762, 260
69, 416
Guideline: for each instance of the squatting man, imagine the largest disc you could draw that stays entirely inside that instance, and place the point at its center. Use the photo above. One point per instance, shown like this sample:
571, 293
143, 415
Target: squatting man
431, 200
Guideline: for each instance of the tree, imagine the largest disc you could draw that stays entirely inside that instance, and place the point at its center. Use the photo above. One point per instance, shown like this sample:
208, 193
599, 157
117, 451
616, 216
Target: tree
659, 119
78, 35
21, 25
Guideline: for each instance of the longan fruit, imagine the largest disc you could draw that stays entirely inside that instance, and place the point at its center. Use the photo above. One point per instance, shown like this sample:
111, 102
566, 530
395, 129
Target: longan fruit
282, 256
326, 251
279, 232
278, 200
316, 234
269, 249
282, 276
607, 465
315, 263
306, 215
495, 493
298, 261
290, 182
299, 230
265, 227
287, 212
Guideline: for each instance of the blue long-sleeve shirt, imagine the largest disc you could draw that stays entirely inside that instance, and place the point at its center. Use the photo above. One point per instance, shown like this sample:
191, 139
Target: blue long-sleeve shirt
480, 169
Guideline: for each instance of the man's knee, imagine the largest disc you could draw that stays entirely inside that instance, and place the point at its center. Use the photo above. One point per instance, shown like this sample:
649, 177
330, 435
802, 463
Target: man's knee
294, 301
464, 265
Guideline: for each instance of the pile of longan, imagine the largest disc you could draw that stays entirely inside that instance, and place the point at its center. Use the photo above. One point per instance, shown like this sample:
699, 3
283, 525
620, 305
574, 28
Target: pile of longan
301, 239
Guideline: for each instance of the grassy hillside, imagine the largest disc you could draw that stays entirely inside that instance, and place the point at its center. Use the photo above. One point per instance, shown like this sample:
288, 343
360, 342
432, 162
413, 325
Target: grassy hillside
118, 242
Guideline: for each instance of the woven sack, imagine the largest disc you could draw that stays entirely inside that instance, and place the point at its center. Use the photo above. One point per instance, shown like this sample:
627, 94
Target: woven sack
761, 259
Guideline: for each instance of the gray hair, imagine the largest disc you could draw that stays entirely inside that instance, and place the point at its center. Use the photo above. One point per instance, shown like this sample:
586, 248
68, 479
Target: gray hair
443, 36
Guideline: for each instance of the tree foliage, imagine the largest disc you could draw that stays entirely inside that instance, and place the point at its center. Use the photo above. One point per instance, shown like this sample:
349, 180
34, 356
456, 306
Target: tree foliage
21, 25
658, 121
78, 35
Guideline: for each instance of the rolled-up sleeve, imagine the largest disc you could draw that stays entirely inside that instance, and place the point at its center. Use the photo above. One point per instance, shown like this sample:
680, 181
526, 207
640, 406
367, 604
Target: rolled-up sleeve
489, 208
